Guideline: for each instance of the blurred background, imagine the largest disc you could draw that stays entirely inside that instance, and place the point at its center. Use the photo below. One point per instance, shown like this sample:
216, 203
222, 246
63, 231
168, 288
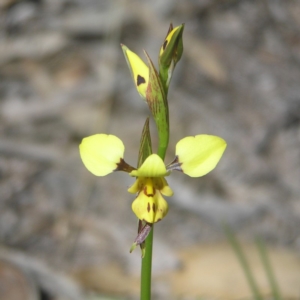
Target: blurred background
66, 234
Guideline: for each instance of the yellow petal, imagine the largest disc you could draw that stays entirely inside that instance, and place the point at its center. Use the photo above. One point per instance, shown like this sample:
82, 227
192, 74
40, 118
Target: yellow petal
153, 166
138, 185
150, 208
161, 184
101, 153
200, 154
139, 71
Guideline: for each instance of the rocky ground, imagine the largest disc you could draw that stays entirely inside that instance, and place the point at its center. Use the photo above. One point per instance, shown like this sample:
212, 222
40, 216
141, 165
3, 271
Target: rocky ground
64, 77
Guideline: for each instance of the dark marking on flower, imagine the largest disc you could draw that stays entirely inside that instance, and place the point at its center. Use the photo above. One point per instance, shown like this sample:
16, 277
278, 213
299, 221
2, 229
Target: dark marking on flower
175, 165
123, 166
165, 44
140, 226
153, 207
148, 207
140, 80
143, 233
145, 192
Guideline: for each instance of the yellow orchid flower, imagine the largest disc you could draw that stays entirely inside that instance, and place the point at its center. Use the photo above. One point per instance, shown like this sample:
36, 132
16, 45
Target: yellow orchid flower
195, 156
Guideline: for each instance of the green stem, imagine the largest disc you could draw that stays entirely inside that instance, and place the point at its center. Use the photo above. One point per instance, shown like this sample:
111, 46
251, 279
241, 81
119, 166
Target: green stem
164, 78
147, 268
161, 152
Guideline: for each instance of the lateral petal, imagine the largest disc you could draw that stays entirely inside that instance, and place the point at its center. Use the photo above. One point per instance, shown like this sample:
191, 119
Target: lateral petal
198, 155
101, 153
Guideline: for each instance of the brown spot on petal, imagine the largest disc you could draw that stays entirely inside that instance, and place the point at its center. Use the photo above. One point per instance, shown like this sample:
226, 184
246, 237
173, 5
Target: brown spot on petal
123, 166
148, 207
153, 207
145, 192
140, 80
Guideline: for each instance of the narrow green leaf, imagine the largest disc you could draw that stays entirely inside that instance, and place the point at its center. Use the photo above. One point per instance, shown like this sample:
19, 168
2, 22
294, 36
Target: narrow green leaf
268, 269
158, 105
145, 144
243, 262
